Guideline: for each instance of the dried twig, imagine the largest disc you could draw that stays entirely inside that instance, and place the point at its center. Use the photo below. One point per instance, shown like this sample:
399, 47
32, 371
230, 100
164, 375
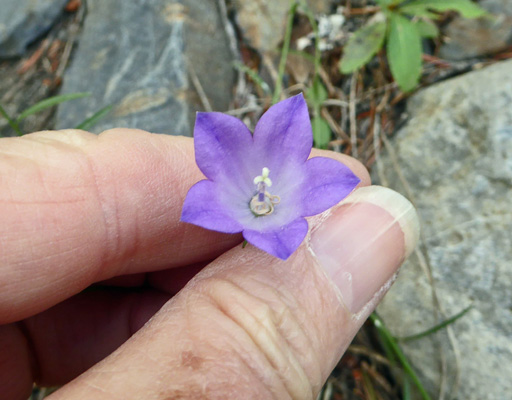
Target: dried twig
34, 58
352, 112
199, 88
241, 86
335, 102
73, 33
335, 127
361, 11
244, 110
365, 351
269, 65
378, 377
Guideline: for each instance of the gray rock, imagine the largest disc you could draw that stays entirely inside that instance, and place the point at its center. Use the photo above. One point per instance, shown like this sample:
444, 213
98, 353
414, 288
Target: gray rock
23, 21
455, 152
478, 37
263, 22
139, 56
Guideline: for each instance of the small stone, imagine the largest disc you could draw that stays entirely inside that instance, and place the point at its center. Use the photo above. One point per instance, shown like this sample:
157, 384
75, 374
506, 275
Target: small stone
455, 153
23, 21
468, 38
263, 22
143, 63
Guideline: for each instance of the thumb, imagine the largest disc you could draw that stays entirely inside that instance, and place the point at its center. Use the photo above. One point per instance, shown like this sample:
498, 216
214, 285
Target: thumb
254, 327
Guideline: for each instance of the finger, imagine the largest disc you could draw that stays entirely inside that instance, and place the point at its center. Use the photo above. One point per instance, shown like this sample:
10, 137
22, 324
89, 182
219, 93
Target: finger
78, 208
252, 326
16, 377
57, 345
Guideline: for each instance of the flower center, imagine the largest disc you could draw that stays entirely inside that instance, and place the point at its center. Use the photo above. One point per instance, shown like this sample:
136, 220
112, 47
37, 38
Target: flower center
262, 203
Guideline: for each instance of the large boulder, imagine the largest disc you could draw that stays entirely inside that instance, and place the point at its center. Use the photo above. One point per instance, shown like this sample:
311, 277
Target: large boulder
140, 57
23, 21
455, 154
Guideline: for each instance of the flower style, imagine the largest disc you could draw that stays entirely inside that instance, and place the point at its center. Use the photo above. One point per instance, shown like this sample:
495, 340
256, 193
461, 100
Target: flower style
263, 185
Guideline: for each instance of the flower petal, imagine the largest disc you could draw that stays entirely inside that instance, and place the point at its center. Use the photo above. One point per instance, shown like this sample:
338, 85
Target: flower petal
326, 183
203, 208
222, 145
280, 243
283, 134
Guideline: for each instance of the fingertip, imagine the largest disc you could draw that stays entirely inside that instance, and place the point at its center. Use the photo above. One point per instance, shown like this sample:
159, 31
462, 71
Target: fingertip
362, 242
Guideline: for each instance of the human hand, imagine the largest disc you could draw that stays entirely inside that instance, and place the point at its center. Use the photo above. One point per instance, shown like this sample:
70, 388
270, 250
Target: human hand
91, 247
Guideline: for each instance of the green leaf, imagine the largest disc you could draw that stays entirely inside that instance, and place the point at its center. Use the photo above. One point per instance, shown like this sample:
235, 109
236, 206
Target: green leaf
91, 121
50, 102
466, 8
404, 52
321, 132
316, 94
437, 327
14, 125
418, 11
427, 28
362, 46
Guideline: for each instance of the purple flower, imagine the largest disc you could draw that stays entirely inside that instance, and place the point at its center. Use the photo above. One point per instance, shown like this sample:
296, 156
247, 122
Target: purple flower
263, 185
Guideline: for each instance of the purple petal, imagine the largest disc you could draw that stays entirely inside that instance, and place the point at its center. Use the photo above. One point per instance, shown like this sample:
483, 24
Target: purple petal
280, 243
283, 134
326, 183
203, 208
222, 146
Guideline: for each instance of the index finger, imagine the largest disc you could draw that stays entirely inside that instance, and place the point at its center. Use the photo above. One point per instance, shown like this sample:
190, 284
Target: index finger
77, 208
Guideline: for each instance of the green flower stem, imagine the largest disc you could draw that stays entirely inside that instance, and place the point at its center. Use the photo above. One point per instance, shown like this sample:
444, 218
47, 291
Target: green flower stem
284, 54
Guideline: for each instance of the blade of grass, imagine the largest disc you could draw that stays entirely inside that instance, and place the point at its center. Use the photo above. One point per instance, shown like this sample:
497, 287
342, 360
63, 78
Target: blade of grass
50, 102
284, 54
14, 125
390, 354
258, 80
303, 54
435, 328
386, 334
406, 388
91, 121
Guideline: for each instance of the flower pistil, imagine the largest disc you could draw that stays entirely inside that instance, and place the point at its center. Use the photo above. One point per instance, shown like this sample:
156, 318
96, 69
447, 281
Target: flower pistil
262, 203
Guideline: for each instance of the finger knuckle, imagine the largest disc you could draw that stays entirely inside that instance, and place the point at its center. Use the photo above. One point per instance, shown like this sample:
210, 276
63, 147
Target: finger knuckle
265, 333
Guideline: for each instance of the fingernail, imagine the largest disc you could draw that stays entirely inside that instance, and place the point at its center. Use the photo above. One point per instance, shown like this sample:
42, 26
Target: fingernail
363, 241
